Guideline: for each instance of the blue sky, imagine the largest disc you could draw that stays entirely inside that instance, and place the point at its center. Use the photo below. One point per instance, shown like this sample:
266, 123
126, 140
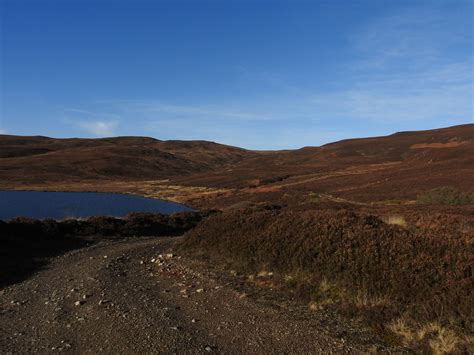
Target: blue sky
256, 74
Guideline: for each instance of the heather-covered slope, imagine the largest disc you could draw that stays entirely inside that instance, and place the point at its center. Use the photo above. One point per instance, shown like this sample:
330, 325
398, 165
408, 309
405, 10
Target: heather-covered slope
413, 281
380, 169
34, 159
399, 166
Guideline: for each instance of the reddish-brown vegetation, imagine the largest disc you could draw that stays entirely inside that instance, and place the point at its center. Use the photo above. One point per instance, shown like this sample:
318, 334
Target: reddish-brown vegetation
36, 159
372, 226
423, 272
362, 170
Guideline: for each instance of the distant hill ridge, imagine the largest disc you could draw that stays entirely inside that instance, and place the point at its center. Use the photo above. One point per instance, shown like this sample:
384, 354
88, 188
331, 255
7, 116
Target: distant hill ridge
406, 161
116, 157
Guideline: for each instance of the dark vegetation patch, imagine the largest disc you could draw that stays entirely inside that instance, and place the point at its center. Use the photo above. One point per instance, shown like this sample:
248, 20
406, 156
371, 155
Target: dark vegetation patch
447, 195
271, 180
17, 152
355, 263
26, 244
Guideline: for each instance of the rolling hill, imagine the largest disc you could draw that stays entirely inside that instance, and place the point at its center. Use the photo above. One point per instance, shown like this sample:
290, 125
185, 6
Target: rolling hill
35, 159
398, 166
395, 167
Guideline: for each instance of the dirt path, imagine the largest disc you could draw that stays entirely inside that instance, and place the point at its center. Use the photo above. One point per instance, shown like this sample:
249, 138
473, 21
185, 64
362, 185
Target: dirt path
111, 298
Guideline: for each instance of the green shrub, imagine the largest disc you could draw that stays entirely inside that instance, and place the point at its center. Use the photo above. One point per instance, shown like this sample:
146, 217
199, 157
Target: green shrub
447, 195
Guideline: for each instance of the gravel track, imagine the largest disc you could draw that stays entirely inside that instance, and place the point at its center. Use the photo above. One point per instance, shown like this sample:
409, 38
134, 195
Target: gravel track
121, 297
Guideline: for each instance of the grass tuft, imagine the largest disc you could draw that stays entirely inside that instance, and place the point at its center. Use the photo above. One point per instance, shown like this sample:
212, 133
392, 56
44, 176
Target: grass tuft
395, 220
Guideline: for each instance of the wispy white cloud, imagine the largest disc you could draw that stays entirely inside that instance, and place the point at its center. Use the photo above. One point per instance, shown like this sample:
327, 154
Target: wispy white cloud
400, 74
79, 111
378, 105
156, 109
99, 128
405, 72
99, 123
210, 111
2, 131
410, 39
390, 39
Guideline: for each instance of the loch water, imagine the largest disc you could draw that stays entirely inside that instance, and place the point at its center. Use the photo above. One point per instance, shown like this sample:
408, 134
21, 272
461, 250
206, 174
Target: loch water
62, 205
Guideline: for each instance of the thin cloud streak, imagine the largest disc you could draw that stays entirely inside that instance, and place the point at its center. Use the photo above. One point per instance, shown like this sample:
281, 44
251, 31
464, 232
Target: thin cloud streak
98, 123
154, 109
99, 128
404, 75
403, 78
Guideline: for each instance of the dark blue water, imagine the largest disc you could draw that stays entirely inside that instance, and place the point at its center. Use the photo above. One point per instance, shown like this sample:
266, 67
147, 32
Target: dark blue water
61, 205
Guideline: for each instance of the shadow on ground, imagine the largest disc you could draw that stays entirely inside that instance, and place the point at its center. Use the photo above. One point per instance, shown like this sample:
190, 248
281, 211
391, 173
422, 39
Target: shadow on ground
19, 259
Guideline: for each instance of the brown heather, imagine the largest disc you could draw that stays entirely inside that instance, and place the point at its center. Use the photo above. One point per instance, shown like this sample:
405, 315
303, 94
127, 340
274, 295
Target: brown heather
351, 260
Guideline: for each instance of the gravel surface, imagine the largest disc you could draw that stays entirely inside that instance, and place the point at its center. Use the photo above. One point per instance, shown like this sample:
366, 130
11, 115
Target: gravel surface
133, 296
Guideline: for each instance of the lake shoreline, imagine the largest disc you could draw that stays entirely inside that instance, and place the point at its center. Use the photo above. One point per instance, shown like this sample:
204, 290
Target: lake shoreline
60, 205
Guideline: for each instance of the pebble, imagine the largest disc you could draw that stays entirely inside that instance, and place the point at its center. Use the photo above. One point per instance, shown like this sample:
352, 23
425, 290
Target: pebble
79, 303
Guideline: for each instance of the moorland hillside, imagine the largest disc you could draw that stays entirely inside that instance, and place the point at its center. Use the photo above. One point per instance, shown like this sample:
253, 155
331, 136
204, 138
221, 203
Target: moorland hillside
398, 167
41, 158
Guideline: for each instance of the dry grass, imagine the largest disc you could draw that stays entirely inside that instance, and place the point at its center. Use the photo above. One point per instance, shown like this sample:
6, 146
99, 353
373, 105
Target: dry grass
363, 299
328, 293
395, 220
446, 341
439, 339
